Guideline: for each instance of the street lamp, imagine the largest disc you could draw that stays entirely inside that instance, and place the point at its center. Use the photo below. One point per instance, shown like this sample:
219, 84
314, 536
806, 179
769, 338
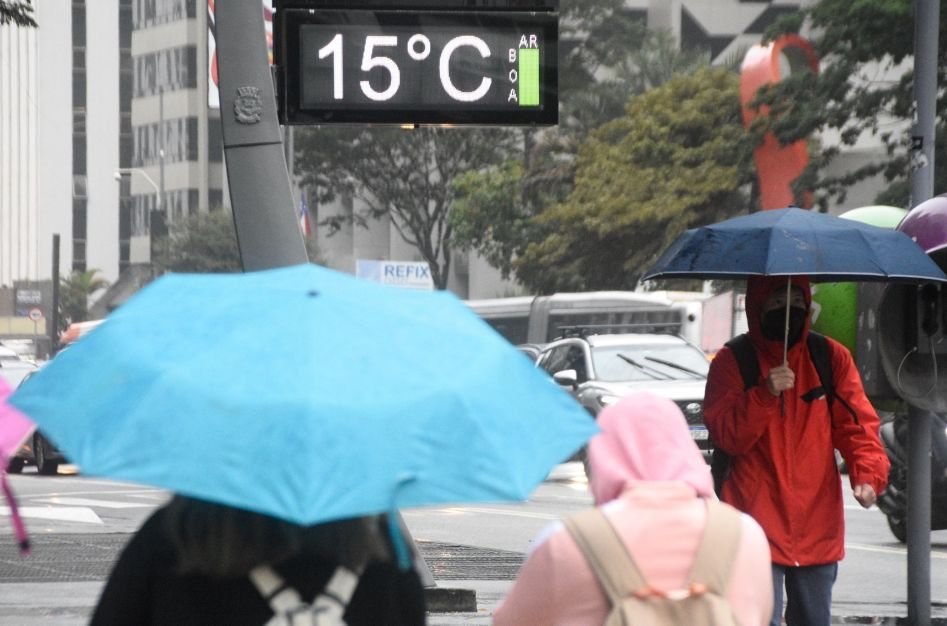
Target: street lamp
159, 195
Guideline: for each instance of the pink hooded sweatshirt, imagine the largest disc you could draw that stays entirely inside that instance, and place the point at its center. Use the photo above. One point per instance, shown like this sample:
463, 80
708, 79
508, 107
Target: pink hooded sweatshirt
652, 480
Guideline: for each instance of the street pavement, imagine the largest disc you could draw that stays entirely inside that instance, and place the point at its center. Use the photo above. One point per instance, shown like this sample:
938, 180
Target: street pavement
45, 592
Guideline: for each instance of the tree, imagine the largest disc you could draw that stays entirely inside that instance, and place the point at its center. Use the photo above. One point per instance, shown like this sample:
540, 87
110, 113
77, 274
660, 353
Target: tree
74, 293
407, 175
19, 12
204, 242
495, 206
865, 89
678, 158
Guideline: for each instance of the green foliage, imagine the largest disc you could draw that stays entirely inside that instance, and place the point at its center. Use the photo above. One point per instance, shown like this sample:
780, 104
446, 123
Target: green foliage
678, 158
495, 209
19, 12
860, 92
204, 242
405, 174
490, 214
74, 292
410, 176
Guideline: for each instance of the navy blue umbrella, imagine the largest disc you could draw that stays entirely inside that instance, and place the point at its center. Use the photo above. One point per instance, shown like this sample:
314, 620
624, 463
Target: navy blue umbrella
794, 242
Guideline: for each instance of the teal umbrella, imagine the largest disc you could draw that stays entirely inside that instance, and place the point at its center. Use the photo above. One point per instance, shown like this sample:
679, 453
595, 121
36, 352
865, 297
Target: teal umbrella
305, 394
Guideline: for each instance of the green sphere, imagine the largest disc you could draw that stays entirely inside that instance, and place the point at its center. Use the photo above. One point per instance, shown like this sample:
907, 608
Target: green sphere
835, 305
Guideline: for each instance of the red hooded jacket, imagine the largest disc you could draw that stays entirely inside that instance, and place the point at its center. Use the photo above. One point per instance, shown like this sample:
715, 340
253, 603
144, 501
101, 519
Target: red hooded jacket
783, 470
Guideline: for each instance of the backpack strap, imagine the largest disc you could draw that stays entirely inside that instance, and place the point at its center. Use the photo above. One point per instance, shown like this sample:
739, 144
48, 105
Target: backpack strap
821, 357
742, 348
281, 597
287, 605
745, 355
717, 550
822, 360
607, 555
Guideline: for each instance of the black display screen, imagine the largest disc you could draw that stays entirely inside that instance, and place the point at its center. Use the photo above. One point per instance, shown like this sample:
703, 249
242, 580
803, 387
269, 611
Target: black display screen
418, 67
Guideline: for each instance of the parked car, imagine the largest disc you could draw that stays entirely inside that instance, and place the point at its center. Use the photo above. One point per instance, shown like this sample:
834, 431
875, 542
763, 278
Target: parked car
531, 350
37, 449
600, 369
8, 354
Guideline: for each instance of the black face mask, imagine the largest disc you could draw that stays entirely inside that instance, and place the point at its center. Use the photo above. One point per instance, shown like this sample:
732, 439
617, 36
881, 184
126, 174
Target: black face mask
774, 324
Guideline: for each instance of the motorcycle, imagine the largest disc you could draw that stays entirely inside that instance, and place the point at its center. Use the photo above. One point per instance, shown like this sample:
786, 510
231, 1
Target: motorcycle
893, 502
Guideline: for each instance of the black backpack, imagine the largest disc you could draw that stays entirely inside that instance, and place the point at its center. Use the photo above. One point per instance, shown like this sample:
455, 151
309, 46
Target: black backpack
742, 348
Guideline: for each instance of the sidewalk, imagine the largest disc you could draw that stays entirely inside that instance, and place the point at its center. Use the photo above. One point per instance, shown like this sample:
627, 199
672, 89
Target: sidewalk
71, 604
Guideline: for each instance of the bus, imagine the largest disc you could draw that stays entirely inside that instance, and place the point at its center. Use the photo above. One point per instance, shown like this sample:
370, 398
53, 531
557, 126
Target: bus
540, 319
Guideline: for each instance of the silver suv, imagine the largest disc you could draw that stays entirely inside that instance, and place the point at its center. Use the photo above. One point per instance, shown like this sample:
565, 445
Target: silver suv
599, 369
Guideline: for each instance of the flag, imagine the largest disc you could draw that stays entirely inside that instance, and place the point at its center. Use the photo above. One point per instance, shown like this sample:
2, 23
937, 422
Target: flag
304, 223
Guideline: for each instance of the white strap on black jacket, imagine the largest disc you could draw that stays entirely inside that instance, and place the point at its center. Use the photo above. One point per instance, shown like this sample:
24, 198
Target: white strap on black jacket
288, 607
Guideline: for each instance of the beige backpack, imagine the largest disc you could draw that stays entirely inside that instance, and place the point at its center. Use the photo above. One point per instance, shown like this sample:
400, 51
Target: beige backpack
634, 602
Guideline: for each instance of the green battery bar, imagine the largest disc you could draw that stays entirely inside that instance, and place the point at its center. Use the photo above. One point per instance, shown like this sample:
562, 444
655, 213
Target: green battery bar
528, 83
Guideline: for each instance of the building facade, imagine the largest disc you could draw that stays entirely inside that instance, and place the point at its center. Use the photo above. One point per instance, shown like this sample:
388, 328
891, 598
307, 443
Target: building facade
106, 133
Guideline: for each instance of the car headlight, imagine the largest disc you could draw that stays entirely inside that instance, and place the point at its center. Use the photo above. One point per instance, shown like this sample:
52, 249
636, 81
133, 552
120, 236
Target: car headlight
607, 399
693, 408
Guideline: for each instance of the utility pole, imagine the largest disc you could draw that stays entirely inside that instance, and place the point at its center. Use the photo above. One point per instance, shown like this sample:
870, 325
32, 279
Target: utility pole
160, 202
260, 192
54, 314
926, 23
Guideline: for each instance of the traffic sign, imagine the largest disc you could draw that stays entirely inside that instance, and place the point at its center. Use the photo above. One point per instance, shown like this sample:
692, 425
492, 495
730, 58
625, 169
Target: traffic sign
35, 314
360, 64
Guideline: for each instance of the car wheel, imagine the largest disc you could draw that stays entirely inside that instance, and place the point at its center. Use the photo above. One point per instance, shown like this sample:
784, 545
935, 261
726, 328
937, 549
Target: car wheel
899, 527
44, 466
15, 466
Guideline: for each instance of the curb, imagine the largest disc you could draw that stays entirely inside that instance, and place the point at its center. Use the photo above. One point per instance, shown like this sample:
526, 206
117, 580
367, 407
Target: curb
450, 600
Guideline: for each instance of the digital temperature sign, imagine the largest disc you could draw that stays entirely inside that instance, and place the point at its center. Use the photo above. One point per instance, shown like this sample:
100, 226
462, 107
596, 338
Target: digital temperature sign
418, 67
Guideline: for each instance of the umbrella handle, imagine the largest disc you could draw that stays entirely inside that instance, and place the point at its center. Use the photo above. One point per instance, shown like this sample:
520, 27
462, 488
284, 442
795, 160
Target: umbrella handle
786, 329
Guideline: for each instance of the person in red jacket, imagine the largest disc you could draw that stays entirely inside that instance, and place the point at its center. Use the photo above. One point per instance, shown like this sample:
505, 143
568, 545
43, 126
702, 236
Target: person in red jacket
781, 435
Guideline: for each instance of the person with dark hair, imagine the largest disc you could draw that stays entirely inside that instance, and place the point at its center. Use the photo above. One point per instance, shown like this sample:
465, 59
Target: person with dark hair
197, 562
780, 432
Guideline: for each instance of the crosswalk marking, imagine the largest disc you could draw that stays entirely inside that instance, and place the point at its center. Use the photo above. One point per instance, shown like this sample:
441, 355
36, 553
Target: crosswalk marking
935, 553
490, 511
106, 504
80, 514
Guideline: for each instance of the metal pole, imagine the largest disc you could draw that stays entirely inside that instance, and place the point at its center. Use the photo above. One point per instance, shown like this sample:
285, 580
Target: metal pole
268, 234
926, 21
260, 193
54, 314
160, 202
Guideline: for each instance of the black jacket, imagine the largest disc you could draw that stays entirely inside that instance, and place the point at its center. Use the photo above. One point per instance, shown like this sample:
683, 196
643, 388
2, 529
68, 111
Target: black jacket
145, 589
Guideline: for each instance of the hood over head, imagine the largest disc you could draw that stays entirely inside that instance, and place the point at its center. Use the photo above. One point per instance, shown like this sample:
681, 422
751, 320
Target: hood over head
758, 289
644, 437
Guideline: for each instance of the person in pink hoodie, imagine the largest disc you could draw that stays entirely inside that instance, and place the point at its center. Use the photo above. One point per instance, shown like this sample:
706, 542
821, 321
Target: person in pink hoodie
651, 480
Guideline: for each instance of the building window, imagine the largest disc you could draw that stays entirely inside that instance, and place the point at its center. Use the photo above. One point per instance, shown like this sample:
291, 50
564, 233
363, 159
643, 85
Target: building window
78, 256
79, 137
154, 12
178, 138
215, 199
215, 140
165, 70
79, 211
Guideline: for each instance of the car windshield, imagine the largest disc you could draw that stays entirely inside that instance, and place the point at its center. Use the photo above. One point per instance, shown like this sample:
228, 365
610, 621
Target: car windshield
649, 362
